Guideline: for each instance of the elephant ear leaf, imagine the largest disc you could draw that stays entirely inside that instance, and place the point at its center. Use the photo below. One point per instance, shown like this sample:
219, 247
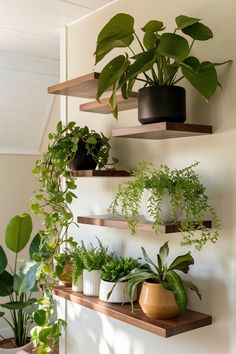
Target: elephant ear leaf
3, 260
18, 232
182, 263
177, 287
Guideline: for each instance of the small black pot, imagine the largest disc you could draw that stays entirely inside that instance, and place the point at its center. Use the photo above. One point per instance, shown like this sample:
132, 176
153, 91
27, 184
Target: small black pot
82, 161
161, 104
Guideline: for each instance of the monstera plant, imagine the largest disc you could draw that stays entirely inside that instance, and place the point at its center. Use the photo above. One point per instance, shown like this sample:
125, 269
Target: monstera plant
163, 59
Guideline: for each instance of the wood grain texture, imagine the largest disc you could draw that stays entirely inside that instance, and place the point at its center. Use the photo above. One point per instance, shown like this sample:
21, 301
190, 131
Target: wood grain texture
119, 223
164, 130
165, 328
84, 86
104, 108
100, 173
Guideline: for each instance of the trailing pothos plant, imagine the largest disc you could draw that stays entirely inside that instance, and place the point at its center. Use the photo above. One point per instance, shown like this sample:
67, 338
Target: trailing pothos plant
186, 192
164, 274
164, 58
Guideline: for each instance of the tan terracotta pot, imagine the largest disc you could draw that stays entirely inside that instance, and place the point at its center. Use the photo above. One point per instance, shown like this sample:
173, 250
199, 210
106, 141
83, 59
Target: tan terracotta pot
157, 302
66, 276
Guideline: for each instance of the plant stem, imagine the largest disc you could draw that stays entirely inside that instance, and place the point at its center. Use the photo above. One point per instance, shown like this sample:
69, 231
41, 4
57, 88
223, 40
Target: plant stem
178, 80
140, 43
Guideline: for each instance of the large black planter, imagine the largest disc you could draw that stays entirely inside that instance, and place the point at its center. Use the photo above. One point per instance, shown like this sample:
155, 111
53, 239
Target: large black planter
82, 161
161, 104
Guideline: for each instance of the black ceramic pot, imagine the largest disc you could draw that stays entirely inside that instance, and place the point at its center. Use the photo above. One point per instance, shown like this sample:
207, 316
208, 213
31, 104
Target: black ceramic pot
82, 161
162, 104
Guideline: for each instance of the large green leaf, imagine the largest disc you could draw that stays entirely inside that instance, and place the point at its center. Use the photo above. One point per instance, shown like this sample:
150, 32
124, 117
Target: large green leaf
18, 305
193, 62
198, 31
185, 21
118, 32
3, 260
205, 80
18, 232
111, 73
6, 283
174, 46
182, 263
24, 281
150, 40
164, 252
177, 287
153, 26
36, 249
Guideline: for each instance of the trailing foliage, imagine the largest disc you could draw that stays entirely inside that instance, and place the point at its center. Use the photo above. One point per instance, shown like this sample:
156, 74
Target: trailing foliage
94, 257
165, 275
186, 193
165, 58
117, 268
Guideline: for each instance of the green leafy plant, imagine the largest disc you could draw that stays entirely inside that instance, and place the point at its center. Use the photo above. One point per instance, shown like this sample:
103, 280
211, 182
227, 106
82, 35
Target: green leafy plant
117, 268
165, 57
45, 335
77, 263
165, 275
94, 257
186, 193
18, 283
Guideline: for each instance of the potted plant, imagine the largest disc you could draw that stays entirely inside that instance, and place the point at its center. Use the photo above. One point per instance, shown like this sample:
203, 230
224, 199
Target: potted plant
163, 294
64, 267
186, 193
111, 273
165, 59
93, 259
77, 270
18, 284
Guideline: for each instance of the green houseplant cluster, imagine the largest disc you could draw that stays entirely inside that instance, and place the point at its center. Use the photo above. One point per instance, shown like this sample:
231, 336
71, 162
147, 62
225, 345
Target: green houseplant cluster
164, 57
185, 191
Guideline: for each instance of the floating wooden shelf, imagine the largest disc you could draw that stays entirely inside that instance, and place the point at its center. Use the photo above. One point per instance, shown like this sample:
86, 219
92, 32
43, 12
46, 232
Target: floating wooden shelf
164, 130
83, 86
100, 173
119, 223
165, 328
104, 108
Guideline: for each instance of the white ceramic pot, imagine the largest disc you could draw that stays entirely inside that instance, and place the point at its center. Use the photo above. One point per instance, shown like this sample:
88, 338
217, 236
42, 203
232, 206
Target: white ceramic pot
91, 282
78, 285
165, 213
19, 350
117, 295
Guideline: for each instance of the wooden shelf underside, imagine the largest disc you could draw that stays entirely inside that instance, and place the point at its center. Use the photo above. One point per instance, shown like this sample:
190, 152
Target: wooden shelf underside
119, 223
165, 328
84, 86
164, 130
104, 108
100, 173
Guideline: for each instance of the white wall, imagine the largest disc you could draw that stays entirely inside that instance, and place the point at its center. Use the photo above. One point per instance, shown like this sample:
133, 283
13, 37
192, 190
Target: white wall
215, 267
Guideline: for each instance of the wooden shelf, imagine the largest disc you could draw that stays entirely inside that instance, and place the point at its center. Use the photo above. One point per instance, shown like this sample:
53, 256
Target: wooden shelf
83, 86
164, 130
104, 108
100, 173
119, 223
165, 328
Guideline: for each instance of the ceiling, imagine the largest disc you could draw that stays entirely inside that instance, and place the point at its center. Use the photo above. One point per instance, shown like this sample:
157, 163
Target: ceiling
29, 63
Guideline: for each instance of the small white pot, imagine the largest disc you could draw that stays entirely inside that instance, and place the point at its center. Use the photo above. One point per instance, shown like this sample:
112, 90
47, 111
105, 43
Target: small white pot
78, 285
91, 282
117, 295
19, 350
165, 213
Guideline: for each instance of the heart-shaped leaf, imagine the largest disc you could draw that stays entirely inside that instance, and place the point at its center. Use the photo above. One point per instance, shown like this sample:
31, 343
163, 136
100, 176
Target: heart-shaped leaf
153, 26
185, 21
198, 31
174, 46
